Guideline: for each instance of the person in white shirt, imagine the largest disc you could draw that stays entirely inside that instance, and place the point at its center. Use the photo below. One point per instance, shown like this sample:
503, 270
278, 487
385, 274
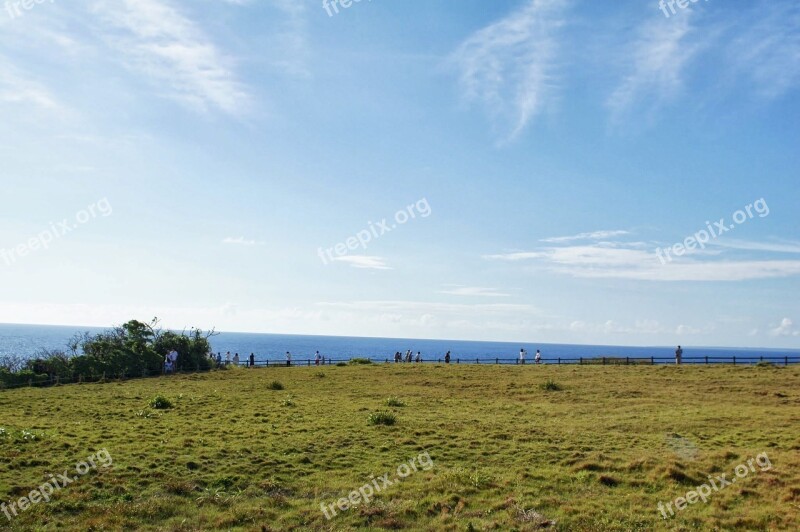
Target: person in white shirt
236, 359
317, 359
173, 357
538, 357
522, 354
228, 358
419, 357
288, 358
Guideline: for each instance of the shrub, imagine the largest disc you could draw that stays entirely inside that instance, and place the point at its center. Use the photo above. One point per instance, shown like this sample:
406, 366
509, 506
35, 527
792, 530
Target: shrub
275, 385
381, 418
551, 386
288, 401
395, 401
357, 361
319, 375
159, 402
341, 364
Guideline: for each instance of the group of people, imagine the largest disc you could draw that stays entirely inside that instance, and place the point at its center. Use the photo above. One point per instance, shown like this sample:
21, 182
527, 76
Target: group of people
523, 354
408, 357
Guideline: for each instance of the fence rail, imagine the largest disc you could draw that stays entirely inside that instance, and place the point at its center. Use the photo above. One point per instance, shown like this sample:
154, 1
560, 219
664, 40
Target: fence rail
593, 361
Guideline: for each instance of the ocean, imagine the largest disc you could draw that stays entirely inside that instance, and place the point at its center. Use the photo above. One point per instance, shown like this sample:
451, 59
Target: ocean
26, 340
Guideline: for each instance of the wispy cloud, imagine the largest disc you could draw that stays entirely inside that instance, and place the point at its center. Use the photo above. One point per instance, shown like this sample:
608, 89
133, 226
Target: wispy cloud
595, 235
776, 247
170, 50
510, 65
786, 328
364, 262
608, 260
661, 52
473, 291
240, 241
18, 88
768, 47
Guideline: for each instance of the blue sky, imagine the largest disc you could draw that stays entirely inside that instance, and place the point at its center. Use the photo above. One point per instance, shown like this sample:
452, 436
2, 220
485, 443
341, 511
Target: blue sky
195, 160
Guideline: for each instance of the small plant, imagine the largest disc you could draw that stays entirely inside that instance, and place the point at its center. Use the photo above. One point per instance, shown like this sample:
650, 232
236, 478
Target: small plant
320, 374
275, 385
159, 402
381, 418
395, 401
146, 414
288, 401
551, 386
357, 361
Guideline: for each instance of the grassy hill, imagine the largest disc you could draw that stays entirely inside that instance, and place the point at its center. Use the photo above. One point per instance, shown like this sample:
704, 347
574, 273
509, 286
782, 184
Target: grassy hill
597, 449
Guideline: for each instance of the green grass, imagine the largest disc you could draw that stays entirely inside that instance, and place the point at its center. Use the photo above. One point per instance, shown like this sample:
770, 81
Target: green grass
507, 455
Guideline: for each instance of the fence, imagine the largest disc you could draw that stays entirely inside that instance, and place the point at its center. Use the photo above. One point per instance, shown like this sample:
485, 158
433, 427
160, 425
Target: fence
593, 361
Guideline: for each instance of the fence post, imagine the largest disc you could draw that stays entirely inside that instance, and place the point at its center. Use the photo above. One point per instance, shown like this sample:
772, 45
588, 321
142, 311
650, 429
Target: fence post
581, 362
477, 361
559, 361
734, 360
496, 360
786, 361
458, 361
761, 358
627, 361
706, 360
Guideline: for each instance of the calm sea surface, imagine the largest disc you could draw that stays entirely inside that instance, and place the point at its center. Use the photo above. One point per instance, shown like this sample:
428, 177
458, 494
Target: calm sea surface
26, 340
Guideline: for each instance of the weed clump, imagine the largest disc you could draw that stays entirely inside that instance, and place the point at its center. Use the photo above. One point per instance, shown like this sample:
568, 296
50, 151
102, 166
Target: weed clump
551, 386
275, 385
395, 401
381, 418
159, 402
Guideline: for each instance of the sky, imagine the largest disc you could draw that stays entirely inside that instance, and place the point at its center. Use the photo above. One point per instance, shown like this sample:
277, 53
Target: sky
618, 173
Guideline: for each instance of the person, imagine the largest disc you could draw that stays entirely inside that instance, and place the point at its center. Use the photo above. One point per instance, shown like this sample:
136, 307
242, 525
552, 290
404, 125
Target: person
419, 357
173, 357
538, 357
396, 357
408, 355
252, 360
167, 364
316, 359
678, 355
219, 360
447, 358
522, 356
228, 358
288, 358
236, 359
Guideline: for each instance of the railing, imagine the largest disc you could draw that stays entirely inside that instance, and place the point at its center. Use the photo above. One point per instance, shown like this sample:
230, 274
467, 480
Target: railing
593, 361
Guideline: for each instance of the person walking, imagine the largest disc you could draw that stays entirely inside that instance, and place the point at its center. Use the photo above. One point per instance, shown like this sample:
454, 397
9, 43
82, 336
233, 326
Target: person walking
252, 360
288, 358
538, 357
678, 356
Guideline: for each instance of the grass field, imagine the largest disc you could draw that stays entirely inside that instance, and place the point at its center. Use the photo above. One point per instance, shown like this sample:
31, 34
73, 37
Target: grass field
598, 449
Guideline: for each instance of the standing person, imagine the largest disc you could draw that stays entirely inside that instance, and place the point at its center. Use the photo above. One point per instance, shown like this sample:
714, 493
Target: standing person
316, 359
288, 358
236, 359
522, 354
219, 360
173, 357
228, 358
447, 358
419, 357
678, 356
538, 357
252, 360
167, 364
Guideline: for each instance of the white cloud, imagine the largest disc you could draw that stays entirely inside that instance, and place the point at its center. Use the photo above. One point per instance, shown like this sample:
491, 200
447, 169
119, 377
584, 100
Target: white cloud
786, 328
595, 235
240, 241
170, 50
660, 54
509, 65
459, 290
364, 262
18, 88
629, 261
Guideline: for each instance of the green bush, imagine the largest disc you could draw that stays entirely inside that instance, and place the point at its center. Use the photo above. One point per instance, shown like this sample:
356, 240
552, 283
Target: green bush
341, 364
159, 402
551, 386
395, 401
381, 418
275, 385
357, 361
